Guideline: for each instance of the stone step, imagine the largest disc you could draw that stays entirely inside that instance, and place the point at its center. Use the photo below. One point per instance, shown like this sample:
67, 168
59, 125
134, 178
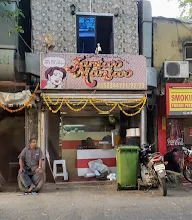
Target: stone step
80, 184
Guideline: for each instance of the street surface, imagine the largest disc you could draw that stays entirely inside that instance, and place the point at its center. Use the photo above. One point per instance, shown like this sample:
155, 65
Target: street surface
97, 203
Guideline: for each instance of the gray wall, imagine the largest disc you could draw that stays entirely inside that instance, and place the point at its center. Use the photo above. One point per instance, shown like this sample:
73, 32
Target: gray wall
53, 17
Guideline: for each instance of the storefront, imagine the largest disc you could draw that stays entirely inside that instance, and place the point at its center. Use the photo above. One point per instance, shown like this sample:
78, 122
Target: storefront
175, 128
100, 100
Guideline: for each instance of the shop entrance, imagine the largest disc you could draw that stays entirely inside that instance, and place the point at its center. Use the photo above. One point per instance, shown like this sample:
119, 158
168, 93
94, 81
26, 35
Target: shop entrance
89, 135
86, 137
82, 130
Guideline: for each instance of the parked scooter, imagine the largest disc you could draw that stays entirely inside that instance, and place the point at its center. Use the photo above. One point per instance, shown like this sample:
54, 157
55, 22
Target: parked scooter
187, 164
153, 172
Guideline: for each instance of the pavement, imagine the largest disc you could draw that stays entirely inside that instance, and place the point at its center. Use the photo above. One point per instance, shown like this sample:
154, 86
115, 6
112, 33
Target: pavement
96, 203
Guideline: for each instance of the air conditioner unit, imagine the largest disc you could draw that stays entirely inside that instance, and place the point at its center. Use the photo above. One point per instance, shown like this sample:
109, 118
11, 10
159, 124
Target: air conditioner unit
176, 69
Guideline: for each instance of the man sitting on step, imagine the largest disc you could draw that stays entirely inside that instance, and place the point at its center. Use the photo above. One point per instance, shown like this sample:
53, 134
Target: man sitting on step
30, 161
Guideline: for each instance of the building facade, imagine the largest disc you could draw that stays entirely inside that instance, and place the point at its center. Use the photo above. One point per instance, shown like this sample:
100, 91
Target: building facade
99, 50
55, 18
14, 82
173, 61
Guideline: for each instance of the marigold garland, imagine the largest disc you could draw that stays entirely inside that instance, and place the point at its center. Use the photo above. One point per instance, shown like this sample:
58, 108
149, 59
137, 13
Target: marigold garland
50, 108
135, 113
92, 101
104, 102
22, 107
74, 109
52, 103
132, 106
76, 104
101, 111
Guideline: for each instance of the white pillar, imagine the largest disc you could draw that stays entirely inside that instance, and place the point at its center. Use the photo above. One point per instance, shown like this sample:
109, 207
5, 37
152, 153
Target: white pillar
42, 133
143, 139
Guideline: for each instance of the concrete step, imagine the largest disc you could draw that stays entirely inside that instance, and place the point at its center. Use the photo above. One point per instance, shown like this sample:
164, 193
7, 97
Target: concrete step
81, 184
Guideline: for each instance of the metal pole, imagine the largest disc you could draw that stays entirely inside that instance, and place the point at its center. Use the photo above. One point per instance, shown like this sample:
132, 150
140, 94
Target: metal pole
26, 127
143, 139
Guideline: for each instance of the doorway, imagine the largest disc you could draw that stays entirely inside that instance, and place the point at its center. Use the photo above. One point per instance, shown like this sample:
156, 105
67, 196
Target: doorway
92, 30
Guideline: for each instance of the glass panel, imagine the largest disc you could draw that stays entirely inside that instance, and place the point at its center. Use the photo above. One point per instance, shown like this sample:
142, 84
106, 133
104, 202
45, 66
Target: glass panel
86, 124
86, 26
175, 137
5, 25
174, 133
86, 35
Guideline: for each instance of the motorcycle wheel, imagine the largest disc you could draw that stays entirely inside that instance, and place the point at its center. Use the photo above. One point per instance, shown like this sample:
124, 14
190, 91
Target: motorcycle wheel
163, 186
187, 173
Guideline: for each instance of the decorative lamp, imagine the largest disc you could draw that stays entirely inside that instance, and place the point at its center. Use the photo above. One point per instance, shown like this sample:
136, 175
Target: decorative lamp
72, 9
116, 11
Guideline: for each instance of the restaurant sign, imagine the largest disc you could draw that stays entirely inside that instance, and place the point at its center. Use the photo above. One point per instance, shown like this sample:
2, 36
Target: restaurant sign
179, 99
89, 71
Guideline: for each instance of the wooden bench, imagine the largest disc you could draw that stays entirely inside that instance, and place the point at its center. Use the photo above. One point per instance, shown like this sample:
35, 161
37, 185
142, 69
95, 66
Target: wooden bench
11, 166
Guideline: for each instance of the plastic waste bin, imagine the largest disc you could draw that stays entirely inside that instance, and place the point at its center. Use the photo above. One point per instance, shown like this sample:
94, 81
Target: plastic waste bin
127, 166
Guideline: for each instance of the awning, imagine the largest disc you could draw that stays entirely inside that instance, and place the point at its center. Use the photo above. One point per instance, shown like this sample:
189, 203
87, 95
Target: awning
109, 101
95, 95
15, 99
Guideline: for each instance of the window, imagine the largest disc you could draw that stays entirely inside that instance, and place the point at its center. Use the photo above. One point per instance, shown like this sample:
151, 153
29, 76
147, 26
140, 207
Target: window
86, 124
187, 46
6, 25
92, 30
188, 53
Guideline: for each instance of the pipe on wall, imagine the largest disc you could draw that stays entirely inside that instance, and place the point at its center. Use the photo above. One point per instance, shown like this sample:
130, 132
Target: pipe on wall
146, 30
143, 127
145, 27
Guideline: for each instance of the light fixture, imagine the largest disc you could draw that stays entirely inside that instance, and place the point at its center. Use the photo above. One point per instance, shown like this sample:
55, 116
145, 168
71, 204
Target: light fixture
112, 119
104, 113
72, 9
116, 11
63, 113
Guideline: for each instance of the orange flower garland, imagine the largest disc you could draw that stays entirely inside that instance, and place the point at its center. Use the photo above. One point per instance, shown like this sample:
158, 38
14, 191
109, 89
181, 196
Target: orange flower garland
22, 107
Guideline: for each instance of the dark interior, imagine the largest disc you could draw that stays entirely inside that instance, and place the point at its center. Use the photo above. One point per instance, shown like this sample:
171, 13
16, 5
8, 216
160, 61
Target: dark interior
104, 29
90, 33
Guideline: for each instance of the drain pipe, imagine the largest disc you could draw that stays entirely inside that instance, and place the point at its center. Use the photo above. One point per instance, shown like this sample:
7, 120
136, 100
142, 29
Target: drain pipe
145, 28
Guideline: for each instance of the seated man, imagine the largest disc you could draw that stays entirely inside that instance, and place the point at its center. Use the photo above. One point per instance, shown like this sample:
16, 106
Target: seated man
30, 161
170, 161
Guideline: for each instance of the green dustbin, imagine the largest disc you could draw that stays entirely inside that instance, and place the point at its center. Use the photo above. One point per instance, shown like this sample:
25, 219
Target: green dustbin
127, 166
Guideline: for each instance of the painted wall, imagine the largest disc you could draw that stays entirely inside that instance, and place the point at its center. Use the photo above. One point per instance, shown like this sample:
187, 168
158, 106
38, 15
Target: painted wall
168, 38
169, 35
53, 17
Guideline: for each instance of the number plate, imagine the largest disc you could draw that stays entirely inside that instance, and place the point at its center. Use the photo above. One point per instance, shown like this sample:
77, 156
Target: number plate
159, 167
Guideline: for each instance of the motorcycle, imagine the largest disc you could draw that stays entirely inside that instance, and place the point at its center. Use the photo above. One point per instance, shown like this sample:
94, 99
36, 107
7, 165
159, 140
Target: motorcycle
153, 172
187, 164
